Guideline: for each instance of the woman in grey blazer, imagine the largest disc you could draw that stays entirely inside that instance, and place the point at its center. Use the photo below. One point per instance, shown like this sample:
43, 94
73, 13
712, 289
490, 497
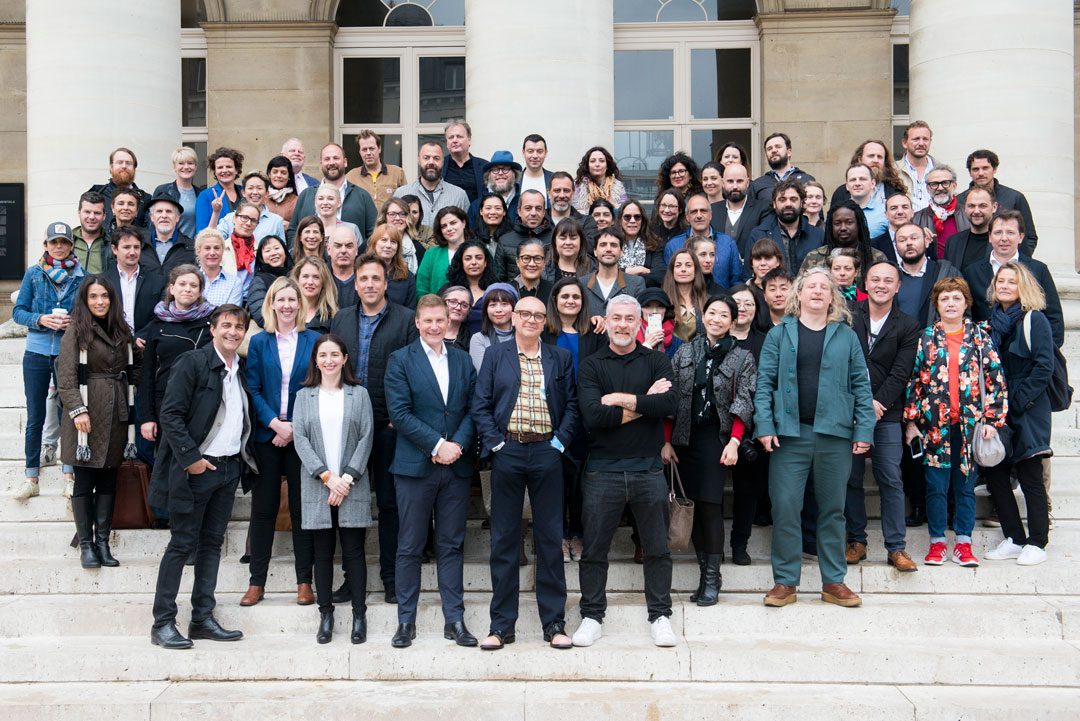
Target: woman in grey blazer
332, 430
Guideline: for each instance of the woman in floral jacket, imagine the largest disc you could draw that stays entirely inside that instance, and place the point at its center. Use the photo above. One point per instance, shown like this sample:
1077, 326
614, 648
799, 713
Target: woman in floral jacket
945, 400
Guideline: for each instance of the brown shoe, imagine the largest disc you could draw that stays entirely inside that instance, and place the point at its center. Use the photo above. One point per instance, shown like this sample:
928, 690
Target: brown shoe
855, 552
254, 595
839, 594
780, 595
304, 595
902, 562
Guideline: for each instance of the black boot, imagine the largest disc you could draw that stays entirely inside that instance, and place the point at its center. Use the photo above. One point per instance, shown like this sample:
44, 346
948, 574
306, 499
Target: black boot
343, 594
82, 508
917, 517
739, 555
701, 577
326, 627
359, 628
103, 515
710, 594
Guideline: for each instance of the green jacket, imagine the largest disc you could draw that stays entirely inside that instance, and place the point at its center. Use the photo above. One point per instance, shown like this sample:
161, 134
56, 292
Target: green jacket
845, 401
96, 262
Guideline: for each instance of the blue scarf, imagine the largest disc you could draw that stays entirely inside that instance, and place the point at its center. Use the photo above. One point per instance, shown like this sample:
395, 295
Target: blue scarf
1003, 323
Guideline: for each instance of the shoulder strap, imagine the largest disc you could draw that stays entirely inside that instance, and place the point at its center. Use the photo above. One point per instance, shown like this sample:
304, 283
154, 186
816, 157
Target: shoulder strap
1027, 328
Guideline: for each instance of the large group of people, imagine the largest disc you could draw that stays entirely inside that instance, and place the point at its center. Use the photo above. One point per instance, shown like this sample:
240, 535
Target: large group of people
359, 340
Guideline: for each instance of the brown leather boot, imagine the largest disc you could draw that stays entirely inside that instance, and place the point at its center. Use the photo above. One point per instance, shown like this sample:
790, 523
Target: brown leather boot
855, 552
304, 595
254, 595
902, 562
839, 594
780, 595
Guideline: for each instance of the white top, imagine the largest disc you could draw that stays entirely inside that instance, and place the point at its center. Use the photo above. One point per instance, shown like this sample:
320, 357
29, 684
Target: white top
605, 288
733, 215
875, 328
227, 439
997, 265
332, 420
286, 348
536, 184
440, 366
127, 294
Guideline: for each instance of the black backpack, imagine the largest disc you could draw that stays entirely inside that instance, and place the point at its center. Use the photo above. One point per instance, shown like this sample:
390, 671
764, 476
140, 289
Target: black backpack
1059, 390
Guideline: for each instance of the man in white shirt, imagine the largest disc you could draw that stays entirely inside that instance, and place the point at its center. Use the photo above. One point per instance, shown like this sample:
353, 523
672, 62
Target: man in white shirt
535, 176
917, 161
139, 288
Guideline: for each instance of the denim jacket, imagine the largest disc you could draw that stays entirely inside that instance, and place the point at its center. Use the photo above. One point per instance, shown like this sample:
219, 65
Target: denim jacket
37, 297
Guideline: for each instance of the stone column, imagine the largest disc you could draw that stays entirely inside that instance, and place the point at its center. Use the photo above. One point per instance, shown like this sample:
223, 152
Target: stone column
998, 74
549, 70
98, 75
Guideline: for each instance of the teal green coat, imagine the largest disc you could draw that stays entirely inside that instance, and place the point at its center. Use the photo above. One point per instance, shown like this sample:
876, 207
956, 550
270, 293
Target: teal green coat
845, 402
431, 275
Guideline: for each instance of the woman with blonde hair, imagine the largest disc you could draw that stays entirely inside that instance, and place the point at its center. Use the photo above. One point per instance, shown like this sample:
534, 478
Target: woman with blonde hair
183, 189
684, 284
319, 290
220, 283
813, 408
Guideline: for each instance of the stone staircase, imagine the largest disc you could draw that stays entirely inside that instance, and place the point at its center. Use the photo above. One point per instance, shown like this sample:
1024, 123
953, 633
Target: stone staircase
997, 642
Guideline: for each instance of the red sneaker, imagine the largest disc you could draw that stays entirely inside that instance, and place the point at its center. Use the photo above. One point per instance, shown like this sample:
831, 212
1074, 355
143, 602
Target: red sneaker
962, 554
936, 556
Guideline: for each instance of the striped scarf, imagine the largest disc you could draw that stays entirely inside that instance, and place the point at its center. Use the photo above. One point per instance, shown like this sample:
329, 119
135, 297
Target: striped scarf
82, 451
58, 271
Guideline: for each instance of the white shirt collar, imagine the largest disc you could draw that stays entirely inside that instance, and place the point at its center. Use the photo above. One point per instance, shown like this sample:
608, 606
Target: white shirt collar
922, 270
231, 371
432, 353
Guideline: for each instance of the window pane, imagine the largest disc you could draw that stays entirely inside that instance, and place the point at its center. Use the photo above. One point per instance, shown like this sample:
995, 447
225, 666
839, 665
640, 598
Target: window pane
200, 163
902, 7
391, 150
192, 12
193, 89
448, 12
900, 104
442, 89
372, 89
644, 82
409, 16
897, 138
360, 13
720, 83
705, 143
639, 153
667, 11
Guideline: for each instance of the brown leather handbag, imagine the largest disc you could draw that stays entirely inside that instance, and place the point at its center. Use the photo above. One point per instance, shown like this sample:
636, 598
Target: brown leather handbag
681, 513
132, 487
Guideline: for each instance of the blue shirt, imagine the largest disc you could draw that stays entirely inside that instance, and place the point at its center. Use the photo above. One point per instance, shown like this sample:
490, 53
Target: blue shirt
37, 297
203, 211
875, 218
367, 325
226, 288
187, 218
269, 224
161, 248
569, 341
728, 268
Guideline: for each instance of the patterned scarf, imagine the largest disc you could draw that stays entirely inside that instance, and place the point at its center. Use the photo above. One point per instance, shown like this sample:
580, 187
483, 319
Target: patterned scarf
169, 313
634, 255
278, 195
941, 214
601, 191
849, 291
58, 271
244, 248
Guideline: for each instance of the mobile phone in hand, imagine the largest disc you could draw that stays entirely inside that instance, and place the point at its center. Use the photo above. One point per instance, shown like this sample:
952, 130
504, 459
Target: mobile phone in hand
916, 446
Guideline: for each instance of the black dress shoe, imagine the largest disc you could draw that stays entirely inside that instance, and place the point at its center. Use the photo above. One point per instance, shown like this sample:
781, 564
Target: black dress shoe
460, 635
390, 594
326, 627
343, 594
404, 635
211, 630
553, 629
739, 556
359, 628
169, 637
245, 559
917, 517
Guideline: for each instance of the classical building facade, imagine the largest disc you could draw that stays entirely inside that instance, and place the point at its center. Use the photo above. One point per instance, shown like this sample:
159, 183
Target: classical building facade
642, 77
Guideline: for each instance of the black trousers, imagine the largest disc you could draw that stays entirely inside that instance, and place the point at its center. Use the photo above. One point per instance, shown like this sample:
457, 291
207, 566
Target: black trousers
382, 455
708, 530
203, 527
914, 475
750, 483
352, 559
275, 462
1029, 473
89, 480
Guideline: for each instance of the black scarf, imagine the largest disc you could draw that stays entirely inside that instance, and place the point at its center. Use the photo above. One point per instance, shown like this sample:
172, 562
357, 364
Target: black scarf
1003, 323
708, 360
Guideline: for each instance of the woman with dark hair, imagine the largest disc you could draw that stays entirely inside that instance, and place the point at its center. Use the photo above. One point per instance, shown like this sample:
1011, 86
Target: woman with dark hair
396, 213
715, 381
451, 227
492, 223
472, 268
281, 193
602, 212
496, 325
684, 284
97, 371
333, 432
730, 153
272, 261
845, 227
597, 177
310, 238
567, 255
643, 254
765, 255
712, 174
422, 235
679, 171
319, 290
669, 215
225, 164
458, 304
385, 244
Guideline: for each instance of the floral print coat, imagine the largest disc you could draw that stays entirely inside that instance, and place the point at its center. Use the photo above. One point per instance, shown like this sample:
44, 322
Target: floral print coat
928, 393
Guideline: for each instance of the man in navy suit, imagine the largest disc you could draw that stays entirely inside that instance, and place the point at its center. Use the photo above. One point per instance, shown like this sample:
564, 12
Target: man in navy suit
429, 388
526, 414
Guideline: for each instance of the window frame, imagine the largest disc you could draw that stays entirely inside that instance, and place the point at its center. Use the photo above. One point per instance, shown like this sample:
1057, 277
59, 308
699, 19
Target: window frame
898, 35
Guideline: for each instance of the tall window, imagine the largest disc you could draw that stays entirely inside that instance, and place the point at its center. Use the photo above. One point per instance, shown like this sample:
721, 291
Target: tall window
901, 106
193, 95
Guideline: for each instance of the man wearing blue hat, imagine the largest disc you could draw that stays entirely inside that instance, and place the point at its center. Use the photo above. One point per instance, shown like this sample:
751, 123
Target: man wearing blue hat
501, 176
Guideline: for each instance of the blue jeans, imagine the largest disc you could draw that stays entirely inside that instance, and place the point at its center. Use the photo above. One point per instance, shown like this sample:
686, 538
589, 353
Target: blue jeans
885, 460
938, 481
38, 371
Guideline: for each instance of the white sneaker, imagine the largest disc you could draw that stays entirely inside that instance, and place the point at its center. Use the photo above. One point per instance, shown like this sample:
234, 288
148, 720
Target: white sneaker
48, 456
26, 490
1004, 551
69, 487
588, 633
1031, 556
981, 491
662, 635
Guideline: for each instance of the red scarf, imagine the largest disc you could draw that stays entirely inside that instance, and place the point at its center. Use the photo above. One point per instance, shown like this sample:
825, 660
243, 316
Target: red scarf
668, 327
244, 249
940, 213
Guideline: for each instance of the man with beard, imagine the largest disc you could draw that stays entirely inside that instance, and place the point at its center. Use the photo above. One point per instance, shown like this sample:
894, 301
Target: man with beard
357, 206
560, 192
897, 212
944, 216
778, 154
293, 149
736, 215
876, 156
845, 227
91, 245
608, 281
379, 179
501, 177
164, 246
434, 192
982, 166
862, 189
122, 165
531, 223
971, 245
917, 161
787, 227
462, 168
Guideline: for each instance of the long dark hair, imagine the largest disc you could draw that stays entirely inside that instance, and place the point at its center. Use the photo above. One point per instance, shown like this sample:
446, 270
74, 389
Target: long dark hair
863, 243
663, 175
647, 236
455, 272
82, 320
680, 219
570, 226
261, 266
582, 173
314, 375
297, 247
436, 225
554, 320
280, 161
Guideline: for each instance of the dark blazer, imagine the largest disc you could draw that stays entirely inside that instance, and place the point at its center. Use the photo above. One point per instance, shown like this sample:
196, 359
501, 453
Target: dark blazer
1028, 369
884, 243
264, 377
497, 387
935, 270
107, 189
957, 247
891, 359
754, 214
173, 192
415, 405
165, 344
807, 239
1008, 198
188, 413
358, 208
402, 290
478, 172
182, 251
596, 304
760, 188
395, 330
980, 275
148, 288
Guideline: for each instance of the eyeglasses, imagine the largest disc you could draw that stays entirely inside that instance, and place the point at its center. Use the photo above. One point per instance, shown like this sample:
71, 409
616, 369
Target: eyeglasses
395, 214
503, 170
527, 315
665, 206
530, 259
632, 216
459, 304
247, 219
939, 183
678, 172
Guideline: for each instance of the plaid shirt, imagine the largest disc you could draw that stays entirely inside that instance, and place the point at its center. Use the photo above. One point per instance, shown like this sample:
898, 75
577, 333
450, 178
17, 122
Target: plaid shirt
368, 324
530, 414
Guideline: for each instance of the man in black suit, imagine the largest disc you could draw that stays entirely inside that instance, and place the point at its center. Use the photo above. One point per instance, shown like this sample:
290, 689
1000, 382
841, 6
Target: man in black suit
373, 329
737, 214
356, 204
970, 245
139, 288
1006, 237
982, 166
897, 212
919, 270
526, 414
206, 424
889, 338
